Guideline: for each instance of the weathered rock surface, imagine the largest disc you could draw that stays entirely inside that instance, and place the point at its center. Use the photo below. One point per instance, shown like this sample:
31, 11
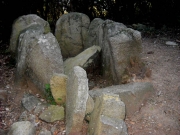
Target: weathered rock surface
22, 24
71, 31
94, 37
119, 45
89, 108
107, 116
52, 113
58, 85
77, 96
30, 102
22, 128
132, 94
44, 132
84, 59
39, 57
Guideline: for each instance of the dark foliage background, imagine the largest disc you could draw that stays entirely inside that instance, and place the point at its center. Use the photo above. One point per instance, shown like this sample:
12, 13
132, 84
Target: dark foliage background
156, 13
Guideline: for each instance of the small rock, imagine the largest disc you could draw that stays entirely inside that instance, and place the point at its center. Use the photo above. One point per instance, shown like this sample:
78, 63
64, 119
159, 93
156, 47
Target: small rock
22, 128
30, 102
53, 113
171, 43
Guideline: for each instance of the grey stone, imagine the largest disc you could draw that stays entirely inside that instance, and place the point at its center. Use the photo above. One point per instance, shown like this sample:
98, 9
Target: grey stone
40, 107
84, 59
39, 57
44, 132
71, 31
23, 23
23, 116
171, 43
132, 94
77, 96
52, 113
119, 45
22, 128
107, 116
30, 102
94, 36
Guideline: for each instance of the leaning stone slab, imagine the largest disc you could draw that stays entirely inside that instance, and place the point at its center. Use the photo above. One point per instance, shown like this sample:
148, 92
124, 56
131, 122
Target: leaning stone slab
22, 128
77, 96
107, 116
58, 85
132, 94
84, 59
23, 23
52, 113
39, 57
71, 31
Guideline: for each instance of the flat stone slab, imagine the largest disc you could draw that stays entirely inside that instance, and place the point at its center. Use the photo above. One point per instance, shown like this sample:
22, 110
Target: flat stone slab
132, 94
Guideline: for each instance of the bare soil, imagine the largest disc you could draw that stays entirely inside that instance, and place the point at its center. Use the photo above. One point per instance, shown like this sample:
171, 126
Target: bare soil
160, 115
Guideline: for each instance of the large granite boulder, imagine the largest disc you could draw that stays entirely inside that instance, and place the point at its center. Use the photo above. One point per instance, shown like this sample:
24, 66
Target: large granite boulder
22, 24
132, 94
120, 46
94, 35
38, 58
71, 31
77, 96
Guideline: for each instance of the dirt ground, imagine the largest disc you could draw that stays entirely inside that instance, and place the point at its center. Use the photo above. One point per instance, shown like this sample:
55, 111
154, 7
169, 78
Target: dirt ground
159, 116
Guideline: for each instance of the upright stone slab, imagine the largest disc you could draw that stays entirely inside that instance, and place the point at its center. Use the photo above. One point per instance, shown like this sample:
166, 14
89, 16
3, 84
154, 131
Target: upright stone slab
39, 57
107, 116
58, 85
77, 96
120, 45
23, 23
94, 35
71, 31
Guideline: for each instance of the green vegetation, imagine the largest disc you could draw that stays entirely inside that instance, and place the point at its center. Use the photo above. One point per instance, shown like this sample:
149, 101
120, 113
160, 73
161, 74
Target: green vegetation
48, 95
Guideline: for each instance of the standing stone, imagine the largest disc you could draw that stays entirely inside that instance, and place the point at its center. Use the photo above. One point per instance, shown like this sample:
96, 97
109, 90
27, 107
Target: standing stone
77, 96
22, 128
107, 116
58, 88
71, 31
39, 57
94, 36
21, 24
120, 45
